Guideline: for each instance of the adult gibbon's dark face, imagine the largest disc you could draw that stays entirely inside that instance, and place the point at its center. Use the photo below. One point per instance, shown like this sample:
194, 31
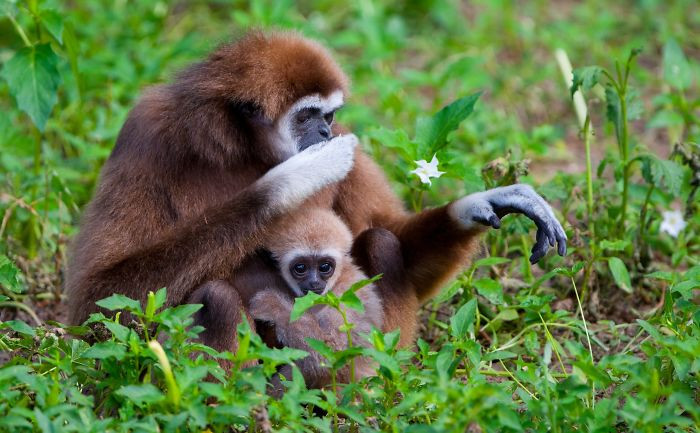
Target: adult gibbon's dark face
311, 273
311, 125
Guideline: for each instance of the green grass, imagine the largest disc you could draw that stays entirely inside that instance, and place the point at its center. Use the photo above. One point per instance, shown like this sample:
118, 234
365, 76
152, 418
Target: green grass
606, 339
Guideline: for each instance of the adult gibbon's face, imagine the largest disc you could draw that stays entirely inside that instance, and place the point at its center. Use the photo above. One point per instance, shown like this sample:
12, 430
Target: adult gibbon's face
312, 126
307, 122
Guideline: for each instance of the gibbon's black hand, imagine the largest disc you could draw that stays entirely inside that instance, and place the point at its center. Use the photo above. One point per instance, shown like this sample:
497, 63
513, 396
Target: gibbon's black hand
488, 207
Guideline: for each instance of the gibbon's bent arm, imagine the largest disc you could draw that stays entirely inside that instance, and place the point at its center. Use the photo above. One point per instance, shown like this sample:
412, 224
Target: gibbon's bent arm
436, 243
209, 248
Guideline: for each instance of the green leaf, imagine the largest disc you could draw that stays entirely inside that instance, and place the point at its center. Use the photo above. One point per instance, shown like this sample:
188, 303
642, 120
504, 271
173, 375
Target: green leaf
106, 349
395, 139
8, 8
141, 394
650, 329
302, 304
490, 289
617, 245
73, 51
657, 171
33, 79
463, 319
499, 354
490, 261
20, 327
350, 300
677, 71
507, 315
322, 348
431, 134
119, 331
620, 274
53, 22
685, 288
10, 275
119, 302
661, 275
585, 78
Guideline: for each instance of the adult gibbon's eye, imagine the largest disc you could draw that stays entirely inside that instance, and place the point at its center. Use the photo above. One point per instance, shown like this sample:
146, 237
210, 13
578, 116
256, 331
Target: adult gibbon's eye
328, 117
303, 117
325, 267
299, 268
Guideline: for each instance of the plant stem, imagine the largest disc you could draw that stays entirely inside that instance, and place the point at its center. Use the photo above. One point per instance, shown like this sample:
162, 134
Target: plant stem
348, 333
588, 337
515, 379
24, 307
19, 30
624, 146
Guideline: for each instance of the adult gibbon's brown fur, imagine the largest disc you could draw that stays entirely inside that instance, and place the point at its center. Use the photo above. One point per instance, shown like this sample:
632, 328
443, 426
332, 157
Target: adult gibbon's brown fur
315, 236
203, 166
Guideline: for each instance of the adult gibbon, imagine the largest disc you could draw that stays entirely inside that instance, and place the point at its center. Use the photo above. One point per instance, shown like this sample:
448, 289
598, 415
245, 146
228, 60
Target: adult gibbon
239, 141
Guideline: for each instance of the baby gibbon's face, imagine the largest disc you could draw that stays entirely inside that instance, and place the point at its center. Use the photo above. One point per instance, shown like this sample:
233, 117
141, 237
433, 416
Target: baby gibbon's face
310, 273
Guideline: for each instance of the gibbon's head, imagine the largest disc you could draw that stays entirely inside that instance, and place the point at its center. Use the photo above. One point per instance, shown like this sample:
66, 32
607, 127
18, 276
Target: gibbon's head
285, 84
311, 247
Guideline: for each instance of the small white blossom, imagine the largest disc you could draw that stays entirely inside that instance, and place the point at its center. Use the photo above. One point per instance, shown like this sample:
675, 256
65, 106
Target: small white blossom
426, 170
673, 223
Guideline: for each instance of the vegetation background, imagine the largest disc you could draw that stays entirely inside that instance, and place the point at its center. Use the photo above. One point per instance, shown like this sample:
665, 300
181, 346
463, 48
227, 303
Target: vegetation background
606, 339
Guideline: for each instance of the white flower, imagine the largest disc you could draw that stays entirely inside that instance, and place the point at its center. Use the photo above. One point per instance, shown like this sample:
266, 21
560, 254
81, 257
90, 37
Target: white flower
673, 223
426, 170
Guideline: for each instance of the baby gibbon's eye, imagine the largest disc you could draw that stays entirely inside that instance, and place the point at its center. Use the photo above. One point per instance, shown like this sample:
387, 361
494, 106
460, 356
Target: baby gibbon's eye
325, 267
299, 268
328, 117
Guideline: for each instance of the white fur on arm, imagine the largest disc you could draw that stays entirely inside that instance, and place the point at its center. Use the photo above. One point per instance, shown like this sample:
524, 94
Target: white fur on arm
307, 172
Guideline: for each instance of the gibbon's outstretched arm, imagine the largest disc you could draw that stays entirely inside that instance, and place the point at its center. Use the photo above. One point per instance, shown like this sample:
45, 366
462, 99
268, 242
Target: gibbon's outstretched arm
436, 243
212, 246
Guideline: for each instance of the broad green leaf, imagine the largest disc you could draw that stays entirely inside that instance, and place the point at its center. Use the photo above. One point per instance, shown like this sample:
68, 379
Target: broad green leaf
53, 22
620, 274
140, 394
21, 327
322, 348
650, 329
463, 319
302, 304
350, 300
396, 139
8, 8
490, 289
106, 349
120, 332
10, 275
657, 172
585, 78
500, 354
490, 261
617, 245
431, 134
180, 314
33, 79
384, 359
119, 302
507, 315
685, 288
73, 50
677, 71
661, 275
